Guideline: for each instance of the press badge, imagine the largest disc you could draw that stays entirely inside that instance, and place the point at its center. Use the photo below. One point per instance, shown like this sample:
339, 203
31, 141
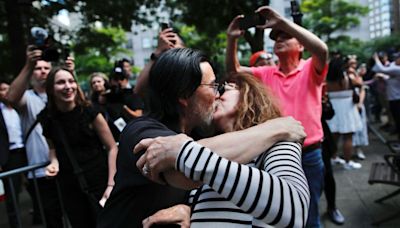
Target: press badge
120, 123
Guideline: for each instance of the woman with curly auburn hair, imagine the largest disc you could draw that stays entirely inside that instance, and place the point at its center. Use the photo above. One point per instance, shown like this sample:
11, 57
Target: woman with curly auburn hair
255, 104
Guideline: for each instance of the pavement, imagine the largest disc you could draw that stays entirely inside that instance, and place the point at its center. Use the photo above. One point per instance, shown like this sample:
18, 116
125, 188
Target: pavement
354, 196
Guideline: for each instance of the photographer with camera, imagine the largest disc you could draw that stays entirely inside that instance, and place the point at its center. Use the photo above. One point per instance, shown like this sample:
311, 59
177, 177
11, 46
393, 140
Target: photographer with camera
291, 78
123, 104
29, 103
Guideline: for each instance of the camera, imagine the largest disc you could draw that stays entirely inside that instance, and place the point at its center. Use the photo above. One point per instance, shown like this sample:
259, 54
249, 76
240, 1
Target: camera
250, 21
51, 50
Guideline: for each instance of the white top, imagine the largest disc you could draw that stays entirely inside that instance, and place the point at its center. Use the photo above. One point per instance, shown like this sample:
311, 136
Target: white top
13, 125
270, 191
393, 83
36, 146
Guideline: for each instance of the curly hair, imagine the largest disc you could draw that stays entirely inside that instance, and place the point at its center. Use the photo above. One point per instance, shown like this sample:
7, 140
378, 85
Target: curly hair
256, 102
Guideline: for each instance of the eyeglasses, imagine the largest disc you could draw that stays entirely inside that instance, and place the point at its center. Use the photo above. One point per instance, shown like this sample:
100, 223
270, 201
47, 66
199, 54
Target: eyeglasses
221, 87
215, 85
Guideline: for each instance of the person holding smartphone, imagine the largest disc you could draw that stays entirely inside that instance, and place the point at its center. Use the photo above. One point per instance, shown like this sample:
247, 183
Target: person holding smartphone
296, 82
167, 39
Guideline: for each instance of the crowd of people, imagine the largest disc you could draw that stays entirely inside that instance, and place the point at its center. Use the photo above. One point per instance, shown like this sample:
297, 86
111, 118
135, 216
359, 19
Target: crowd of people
253, 148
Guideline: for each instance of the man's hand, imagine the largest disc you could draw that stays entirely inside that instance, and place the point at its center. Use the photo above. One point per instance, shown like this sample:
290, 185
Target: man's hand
160, 155
33, 54
167, 39
273, 18
291, 129
178, 214
233, 30
70, 63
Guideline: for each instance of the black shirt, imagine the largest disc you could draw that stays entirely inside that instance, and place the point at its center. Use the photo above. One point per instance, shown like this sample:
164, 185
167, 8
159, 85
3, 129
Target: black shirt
77, 127
134, 197
115, 108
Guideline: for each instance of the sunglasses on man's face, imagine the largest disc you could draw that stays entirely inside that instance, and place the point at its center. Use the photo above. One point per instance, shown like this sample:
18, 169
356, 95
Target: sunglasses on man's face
220, 88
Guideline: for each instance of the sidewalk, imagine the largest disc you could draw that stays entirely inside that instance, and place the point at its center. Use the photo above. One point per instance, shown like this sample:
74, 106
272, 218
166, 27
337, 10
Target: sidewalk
355, 197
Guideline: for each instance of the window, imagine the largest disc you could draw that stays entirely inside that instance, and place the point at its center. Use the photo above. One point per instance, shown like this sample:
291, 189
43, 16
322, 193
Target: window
386, 32
372, 35
386, 24
372, 28
129, 44
146, 43
287, 12
384, 2
385, 8
385, 16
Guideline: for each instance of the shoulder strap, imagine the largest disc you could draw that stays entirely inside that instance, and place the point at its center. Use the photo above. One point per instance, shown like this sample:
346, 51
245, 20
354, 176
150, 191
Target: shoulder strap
75, 166
38, 118
30, 130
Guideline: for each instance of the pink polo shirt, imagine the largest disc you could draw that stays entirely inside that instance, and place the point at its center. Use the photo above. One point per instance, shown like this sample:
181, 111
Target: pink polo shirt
299, 95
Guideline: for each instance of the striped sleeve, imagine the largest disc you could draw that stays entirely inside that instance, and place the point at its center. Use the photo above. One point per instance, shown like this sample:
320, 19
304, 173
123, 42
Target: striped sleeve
277, 193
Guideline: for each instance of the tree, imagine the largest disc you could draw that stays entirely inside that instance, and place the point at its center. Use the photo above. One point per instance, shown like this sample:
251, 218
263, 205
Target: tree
18, 16
326, 17
95, 51
211, 19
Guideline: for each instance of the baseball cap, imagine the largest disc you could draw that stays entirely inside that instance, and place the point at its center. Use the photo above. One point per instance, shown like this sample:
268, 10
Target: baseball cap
257, 56
276, 32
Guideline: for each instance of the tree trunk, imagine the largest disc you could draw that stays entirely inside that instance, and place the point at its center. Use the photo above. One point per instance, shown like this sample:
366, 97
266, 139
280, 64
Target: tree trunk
17, 41
257, 41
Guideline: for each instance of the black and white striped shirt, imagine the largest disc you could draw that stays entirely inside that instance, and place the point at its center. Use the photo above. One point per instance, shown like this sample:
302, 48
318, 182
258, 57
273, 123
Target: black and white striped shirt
271, 190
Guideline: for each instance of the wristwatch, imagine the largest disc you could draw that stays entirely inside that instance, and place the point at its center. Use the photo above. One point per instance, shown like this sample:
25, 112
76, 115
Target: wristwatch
153, 57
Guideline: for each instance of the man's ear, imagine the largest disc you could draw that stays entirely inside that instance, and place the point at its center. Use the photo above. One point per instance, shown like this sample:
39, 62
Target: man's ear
301, 47
183, 102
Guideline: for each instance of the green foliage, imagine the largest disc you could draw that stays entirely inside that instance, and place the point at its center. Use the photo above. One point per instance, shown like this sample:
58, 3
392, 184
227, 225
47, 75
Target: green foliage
324, 17
201, 41
17, 17
211, 19
104, 42
387, 43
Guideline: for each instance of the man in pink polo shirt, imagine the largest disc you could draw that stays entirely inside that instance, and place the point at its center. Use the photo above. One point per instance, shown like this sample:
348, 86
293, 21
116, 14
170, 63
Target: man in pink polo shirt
297, 83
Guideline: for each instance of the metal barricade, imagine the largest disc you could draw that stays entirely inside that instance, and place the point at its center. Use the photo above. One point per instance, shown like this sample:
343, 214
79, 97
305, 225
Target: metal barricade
13, 194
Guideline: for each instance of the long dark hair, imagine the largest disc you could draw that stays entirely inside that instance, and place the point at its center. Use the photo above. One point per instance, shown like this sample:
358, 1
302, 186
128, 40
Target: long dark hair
176, 74
80, 99
336, 70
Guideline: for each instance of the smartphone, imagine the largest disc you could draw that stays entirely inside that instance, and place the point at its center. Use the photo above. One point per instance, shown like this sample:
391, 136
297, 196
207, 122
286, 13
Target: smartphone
250, 21
164, 25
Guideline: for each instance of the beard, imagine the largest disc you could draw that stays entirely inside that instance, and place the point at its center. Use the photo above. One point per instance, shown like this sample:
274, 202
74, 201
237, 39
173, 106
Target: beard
202, 118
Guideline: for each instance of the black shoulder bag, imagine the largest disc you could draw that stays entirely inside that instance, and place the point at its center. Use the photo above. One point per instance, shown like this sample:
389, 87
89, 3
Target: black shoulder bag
77, 170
